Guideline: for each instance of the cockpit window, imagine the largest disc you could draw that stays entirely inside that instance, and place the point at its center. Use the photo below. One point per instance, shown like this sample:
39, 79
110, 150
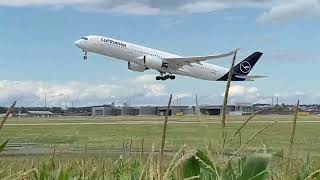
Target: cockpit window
84, 38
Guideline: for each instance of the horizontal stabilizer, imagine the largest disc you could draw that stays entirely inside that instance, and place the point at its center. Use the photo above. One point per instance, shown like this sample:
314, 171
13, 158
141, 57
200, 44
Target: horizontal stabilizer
248, 78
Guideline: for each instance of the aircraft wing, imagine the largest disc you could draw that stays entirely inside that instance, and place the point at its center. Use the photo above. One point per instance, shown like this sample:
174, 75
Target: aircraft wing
179, 62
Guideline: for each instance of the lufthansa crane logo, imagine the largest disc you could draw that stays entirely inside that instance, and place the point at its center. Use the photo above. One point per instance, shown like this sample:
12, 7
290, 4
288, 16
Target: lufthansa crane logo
245, 67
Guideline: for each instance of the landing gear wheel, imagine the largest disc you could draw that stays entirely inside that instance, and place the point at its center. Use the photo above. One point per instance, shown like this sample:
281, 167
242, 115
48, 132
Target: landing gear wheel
163, 78
158, 78
172, 77
166, 77
85, 57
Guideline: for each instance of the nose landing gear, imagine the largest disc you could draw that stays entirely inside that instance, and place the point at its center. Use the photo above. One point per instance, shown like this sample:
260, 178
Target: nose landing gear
85, 54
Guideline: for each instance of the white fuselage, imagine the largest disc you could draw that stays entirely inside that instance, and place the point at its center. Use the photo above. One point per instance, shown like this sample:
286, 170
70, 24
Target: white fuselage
135, 53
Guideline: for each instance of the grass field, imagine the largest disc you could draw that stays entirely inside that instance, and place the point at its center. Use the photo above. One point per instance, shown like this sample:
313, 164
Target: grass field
197, 134
160, 118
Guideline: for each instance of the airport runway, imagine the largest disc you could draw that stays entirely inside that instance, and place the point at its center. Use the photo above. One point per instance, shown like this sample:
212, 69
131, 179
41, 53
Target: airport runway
149, 123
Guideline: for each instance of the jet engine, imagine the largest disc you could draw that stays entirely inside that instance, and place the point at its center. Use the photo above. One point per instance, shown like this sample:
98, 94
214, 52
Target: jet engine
136, 67
153, 62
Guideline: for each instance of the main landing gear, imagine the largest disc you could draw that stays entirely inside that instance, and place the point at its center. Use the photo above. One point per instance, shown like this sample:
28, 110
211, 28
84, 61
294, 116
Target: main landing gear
163, 78
85, 54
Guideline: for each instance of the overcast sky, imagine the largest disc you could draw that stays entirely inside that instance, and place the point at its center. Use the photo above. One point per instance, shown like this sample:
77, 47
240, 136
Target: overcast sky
38, 57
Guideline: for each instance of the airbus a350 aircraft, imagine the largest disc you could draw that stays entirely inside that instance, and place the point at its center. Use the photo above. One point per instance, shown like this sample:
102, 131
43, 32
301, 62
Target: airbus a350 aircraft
142, 58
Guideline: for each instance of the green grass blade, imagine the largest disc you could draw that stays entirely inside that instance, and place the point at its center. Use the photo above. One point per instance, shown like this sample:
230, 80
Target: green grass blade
191, 167
255, 167
204, 158
3, 145
200, 165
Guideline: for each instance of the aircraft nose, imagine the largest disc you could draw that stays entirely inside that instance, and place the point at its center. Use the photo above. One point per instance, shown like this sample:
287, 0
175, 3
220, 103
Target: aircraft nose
77, 43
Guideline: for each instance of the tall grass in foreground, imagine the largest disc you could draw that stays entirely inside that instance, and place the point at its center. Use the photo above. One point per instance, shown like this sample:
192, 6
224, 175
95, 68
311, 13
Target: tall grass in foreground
185, 164
10, 110
163, 142
225, 100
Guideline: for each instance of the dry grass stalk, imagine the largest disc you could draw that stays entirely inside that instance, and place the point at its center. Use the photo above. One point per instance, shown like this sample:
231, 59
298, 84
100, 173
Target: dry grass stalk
123, 148
164, 136
243, 125
142, 146
293, 130
52, 159
253, 137
152, 170
10, 110
21, 175
130, 147
225, 101
312, 175
213, 161
175, 158
149, 161
240, 139
194, 177
176, 162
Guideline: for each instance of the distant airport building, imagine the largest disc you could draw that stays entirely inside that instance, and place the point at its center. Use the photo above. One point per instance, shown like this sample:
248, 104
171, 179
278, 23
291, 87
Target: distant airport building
129, 111
210, 110
240, 109
174, 110
40, 114
243, 109
3, 115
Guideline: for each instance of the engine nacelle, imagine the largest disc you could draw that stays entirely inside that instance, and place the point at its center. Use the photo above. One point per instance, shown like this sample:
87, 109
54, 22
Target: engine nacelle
136, 67
153, 62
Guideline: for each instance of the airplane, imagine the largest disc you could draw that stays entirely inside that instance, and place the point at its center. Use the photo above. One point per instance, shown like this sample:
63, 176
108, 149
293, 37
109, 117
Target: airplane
141, 58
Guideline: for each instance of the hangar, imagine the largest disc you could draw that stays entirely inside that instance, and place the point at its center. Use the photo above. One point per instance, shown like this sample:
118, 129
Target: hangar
129, 111
238, 109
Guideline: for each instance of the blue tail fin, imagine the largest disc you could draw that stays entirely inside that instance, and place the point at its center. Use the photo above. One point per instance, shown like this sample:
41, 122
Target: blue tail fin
245, 66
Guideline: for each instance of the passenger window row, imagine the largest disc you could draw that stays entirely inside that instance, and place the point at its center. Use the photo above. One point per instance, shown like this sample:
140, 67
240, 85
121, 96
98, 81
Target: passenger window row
202, 67
137, 51
116, 45
146, 53
154, 55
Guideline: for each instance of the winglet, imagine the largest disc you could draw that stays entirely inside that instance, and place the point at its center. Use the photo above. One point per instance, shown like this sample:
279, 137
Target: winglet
236, 50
